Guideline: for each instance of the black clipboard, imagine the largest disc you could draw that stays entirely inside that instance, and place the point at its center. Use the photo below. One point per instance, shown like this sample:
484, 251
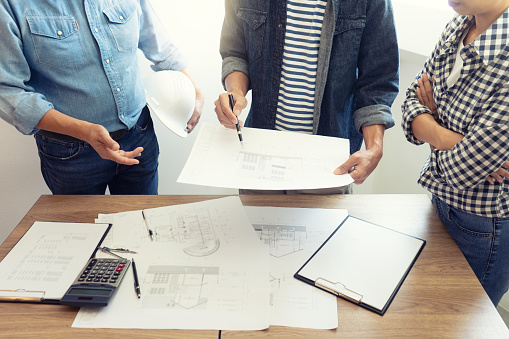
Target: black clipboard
38, 295
363, 263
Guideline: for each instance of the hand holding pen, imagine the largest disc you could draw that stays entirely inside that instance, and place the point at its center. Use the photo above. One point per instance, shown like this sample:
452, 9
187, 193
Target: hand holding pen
237, 125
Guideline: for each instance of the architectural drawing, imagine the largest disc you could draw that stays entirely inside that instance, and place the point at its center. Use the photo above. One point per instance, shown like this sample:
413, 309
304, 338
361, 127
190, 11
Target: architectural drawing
179, 286
288, 293
193, 229
282, 239
268, 167
194, 287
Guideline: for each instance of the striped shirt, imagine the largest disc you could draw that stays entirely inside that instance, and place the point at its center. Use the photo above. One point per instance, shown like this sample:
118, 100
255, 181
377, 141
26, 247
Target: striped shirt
477, 106
300, 58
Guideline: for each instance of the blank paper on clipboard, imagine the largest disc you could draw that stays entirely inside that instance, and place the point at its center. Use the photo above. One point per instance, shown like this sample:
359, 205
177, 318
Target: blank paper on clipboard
363, 263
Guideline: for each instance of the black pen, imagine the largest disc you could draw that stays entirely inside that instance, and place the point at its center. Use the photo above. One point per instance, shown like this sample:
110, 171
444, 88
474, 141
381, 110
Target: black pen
237, 125
136, 283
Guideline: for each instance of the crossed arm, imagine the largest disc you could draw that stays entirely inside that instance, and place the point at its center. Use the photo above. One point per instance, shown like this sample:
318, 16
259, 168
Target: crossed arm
426, 129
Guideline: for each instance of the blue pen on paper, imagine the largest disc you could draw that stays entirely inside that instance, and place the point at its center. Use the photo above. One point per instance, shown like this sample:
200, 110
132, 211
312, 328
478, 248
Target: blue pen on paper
237, 125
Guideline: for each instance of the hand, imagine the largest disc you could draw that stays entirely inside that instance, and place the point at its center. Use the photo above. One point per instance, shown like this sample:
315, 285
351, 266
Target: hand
499, 174
99, 138
96, 135
360, 165
225, 115
198, 108
425, 93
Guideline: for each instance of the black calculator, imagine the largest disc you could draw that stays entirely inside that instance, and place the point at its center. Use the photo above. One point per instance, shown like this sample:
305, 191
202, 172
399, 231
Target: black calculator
97, 282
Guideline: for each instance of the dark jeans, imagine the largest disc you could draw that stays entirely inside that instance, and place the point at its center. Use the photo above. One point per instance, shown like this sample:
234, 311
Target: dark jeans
74, 167
484, 243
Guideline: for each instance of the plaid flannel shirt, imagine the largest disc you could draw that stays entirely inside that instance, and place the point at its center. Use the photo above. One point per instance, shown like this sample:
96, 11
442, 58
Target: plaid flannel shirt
477, 106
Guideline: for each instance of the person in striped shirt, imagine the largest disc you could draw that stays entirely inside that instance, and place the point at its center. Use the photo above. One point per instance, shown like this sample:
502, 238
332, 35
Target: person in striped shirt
324, 67
459, 105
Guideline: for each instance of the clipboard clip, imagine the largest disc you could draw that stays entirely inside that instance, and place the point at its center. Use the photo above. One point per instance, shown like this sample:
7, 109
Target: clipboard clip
339, 289
22, 295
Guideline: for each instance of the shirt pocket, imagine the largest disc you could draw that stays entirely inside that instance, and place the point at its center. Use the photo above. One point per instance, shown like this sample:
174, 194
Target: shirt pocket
349, 31
56, 41
124, 25
255, 31
350, 25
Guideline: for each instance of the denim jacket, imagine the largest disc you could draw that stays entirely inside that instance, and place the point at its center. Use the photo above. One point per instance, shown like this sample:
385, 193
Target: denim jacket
79, 57
358, 63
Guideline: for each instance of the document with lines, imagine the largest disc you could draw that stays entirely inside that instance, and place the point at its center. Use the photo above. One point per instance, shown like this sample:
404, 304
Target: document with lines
204, 268
292, 235
269, 160
47, 259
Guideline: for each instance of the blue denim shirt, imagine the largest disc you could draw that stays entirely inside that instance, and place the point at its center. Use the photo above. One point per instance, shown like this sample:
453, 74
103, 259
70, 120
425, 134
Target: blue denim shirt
358, 63
79, 57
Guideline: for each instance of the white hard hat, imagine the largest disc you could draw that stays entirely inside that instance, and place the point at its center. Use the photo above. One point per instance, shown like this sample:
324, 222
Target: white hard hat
171, 97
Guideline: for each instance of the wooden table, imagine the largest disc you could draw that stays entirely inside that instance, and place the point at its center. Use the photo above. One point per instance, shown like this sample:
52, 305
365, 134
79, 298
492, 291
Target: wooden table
440, 298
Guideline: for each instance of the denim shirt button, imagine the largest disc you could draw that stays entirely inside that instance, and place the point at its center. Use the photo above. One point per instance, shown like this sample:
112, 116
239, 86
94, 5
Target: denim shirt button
280, 25
118, 89
59, 33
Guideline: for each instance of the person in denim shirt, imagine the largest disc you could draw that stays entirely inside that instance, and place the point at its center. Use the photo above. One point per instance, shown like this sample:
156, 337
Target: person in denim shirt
69, 74
356, 75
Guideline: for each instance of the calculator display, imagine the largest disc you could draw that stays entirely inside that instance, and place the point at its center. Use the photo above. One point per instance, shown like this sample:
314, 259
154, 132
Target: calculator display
88, 291
96, 283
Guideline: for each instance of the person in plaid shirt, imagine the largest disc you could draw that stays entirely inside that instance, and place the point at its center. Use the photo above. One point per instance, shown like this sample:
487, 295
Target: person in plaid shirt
459, 105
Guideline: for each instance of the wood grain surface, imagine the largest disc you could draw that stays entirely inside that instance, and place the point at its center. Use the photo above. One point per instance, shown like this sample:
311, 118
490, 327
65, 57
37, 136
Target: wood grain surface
440, 298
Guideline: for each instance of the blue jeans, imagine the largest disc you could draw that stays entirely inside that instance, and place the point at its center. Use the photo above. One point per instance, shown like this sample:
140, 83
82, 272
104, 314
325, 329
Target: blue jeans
76, 168
484, 243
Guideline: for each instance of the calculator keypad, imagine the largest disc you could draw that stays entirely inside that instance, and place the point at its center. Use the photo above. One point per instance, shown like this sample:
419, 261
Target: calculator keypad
103, 271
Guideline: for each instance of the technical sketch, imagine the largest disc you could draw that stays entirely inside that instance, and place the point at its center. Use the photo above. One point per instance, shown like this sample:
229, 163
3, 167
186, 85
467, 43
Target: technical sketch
193, 229
180, 286
202, 249
282, 239
268, 167
288, 293
194, 287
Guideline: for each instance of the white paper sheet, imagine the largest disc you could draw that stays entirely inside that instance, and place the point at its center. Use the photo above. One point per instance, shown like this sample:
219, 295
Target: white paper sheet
48, 258
292, 235
369, 261
205, 269
269, 160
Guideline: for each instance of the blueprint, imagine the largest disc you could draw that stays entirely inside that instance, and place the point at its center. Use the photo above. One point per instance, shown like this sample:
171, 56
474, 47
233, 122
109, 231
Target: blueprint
268, 160
204, 269
291, 236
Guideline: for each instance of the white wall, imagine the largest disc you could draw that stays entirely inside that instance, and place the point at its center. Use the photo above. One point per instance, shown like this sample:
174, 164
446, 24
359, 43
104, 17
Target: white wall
196, 30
